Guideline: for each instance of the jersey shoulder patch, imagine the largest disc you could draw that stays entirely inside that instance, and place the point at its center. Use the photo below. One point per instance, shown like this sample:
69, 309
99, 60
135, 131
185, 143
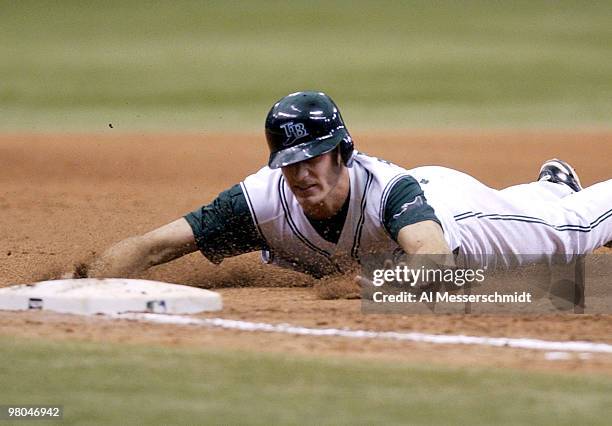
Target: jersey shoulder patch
412, 205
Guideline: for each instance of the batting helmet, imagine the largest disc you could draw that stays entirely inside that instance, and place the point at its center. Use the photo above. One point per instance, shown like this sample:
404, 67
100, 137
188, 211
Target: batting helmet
304, 125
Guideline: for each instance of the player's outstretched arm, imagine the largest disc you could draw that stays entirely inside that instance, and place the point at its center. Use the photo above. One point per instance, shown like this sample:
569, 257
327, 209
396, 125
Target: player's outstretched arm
136, 254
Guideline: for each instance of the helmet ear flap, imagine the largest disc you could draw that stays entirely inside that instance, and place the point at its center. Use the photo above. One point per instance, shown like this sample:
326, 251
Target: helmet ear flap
347, 151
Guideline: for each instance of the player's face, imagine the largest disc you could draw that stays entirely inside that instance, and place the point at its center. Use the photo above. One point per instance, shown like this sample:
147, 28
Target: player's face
315, 183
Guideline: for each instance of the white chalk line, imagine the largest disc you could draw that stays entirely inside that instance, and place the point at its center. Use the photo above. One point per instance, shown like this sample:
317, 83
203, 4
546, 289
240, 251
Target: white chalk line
443, 339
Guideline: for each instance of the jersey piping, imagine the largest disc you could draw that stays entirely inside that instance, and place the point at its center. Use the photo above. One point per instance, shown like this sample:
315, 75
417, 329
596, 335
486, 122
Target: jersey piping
530, 219
364, 203
250, 204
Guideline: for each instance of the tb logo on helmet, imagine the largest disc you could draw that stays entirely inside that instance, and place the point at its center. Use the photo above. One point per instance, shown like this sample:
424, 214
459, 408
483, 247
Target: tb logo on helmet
294, 132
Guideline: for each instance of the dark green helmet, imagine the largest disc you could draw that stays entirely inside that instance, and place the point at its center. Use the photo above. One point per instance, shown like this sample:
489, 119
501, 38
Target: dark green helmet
304, 125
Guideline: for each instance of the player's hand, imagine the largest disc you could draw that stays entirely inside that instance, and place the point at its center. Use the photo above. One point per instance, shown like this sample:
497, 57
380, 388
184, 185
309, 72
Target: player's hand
337, 287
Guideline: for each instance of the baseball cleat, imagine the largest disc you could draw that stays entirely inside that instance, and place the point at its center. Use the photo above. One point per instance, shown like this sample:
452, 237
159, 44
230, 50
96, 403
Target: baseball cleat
558, 171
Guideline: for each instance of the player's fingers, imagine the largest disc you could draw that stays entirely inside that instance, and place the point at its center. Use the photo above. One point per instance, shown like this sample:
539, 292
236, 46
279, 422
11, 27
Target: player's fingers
363, 281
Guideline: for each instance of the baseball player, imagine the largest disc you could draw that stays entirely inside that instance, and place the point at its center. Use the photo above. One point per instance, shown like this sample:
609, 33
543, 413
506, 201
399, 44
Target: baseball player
319, 206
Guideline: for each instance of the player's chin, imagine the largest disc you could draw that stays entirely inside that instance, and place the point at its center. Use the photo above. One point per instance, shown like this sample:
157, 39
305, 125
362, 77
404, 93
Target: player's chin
309, 203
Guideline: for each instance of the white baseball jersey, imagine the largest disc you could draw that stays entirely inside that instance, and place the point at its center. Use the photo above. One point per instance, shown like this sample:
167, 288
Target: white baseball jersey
294, 242
514, 225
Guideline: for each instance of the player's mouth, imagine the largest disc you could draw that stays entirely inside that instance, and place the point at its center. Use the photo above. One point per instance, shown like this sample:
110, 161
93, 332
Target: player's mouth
305, 190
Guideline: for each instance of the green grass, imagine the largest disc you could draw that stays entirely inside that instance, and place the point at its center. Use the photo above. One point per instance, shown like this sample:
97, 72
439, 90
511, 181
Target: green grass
133, 384
78, 65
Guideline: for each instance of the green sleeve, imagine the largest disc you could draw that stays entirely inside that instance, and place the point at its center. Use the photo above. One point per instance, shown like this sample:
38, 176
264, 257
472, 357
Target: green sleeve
406, 205
225, 227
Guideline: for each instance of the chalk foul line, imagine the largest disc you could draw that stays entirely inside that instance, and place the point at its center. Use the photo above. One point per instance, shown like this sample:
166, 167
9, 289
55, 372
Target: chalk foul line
444, 339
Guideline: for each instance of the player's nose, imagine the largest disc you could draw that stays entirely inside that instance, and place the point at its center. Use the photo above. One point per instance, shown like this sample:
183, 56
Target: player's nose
301, 170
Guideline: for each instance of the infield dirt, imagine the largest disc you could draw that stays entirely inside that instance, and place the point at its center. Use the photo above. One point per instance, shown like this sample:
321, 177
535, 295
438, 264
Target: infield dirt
65, 198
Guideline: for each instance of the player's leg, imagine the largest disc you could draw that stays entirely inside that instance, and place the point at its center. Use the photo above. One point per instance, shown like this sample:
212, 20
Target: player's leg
590, 216
556, 179
587, 224
589, 212
526, 219
551, 215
